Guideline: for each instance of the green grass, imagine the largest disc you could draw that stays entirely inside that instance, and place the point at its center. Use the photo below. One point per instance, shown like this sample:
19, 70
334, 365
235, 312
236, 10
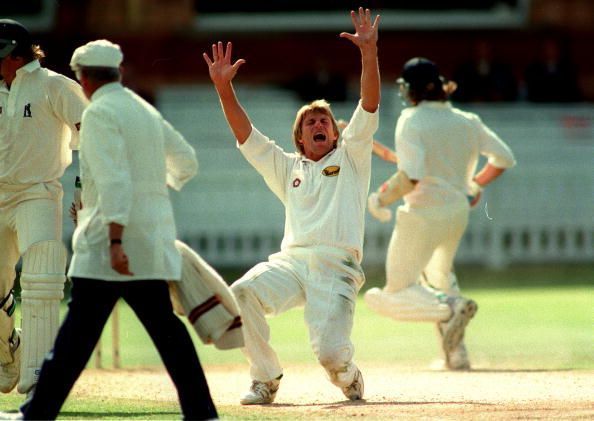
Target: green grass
526, 321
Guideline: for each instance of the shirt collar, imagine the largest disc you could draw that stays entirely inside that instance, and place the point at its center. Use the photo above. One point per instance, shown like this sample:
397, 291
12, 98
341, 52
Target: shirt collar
105, 89
305, 159
29, 67
435, 104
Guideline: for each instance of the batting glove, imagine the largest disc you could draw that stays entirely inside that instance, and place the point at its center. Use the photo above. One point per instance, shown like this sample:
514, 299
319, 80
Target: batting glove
376, 210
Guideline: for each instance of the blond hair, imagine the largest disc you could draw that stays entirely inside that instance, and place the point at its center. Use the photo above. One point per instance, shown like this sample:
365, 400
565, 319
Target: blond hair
317, 106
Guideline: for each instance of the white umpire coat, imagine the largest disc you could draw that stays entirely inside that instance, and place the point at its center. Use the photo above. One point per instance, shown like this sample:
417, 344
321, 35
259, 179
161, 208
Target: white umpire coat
128, 156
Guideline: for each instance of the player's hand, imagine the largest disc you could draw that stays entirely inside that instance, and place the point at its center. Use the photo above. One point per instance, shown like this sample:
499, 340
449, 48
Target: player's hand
119, 259
474, 200
220, 69
376, 210
72, 213
365, 35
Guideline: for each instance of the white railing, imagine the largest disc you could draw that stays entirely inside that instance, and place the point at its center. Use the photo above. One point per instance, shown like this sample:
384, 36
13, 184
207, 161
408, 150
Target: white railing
540, 211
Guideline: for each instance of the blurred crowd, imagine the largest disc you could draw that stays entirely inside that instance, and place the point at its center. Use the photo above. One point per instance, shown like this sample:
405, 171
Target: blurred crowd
549, 76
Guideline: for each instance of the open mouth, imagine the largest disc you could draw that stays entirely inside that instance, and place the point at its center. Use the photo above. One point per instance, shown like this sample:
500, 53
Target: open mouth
319, 137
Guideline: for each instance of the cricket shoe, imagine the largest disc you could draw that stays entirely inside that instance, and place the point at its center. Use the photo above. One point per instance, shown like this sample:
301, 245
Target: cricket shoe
455, 361
354, 391
458, 359
463, 310
261, 393
10, 371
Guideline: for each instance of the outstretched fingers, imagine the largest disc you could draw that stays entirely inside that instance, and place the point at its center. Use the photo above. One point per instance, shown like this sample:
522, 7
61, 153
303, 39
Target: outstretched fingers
364, 16
365, 30
228, 52
361, 18
215, 53
207, 59
376, 22
354, 19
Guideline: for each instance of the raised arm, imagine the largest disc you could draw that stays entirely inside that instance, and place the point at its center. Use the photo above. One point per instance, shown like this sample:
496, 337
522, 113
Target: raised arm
221, 73
365, 38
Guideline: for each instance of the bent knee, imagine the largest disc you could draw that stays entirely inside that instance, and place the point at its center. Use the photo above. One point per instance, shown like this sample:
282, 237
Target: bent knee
45, 257
332, 358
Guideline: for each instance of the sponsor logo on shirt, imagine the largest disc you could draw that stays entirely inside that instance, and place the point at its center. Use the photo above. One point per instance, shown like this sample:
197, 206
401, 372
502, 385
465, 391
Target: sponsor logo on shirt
331, 171
296, 182
27, 111
77, 125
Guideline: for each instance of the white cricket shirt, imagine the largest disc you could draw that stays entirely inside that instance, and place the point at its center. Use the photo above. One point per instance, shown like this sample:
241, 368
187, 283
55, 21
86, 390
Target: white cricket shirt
324, 200
39, 120
440, 145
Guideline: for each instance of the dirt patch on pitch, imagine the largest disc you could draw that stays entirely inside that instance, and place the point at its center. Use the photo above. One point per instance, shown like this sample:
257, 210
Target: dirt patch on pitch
390, 392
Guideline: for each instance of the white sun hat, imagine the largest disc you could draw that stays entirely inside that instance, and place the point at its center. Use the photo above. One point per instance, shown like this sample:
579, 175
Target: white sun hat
99, 53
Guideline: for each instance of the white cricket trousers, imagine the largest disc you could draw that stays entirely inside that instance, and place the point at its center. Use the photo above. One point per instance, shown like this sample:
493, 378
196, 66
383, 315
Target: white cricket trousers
424, 242
28, 215
325, 281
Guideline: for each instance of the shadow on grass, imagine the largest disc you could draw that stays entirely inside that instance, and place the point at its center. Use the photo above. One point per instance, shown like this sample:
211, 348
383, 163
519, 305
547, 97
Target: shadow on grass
520, 370
119, 415
364, 402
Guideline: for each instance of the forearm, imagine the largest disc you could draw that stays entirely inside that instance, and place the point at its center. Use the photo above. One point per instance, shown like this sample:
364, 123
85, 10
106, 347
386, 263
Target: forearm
236, 116
395, 188
370, 79
116, 231
488, 174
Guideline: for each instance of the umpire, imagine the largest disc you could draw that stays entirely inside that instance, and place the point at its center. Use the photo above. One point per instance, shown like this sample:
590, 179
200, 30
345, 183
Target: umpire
124, 241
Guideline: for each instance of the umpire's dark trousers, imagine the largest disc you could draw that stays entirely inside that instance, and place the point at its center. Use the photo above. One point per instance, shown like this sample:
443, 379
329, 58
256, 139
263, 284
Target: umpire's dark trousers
89, 308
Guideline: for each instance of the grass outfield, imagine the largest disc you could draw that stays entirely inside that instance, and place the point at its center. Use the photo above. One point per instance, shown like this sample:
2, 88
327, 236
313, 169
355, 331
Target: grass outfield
523, 328
522, 324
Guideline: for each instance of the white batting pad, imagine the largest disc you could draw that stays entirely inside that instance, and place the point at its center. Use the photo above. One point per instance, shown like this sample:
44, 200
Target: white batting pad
207, 301
42, 285
415, 303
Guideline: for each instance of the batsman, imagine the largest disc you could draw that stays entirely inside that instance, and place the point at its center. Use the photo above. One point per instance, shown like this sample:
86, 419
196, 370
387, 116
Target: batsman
40, 113
438, 149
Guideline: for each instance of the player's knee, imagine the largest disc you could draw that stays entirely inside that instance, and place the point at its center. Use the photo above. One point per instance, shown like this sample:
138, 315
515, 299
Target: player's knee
43, 271
45, 257
332, 357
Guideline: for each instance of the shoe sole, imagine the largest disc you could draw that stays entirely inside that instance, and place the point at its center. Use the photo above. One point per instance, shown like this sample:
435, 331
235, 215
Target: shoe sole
359, 395
455, 333
246, 402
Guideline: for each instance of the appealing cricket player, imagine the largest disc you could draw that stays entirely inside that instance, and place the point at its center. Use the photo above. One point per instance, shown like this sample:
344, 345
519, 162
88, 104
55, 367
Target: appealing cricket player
40, 114
438, 148
324, 187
